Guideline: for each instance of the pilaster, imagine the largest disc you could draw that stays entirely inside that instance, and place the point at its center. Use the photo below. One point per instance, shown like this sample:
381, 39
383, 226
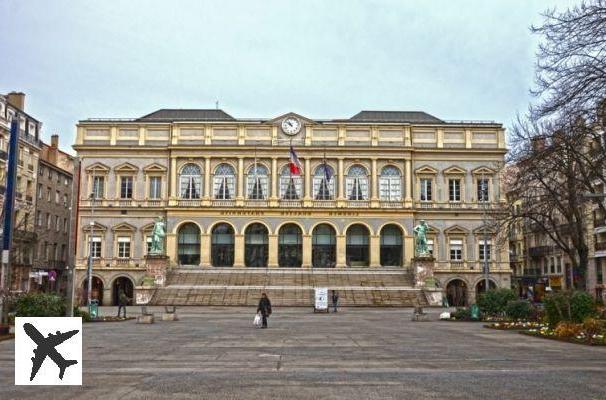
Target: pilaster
341, 249
272, 261
375, 251
238, 250
205, 250
306, 251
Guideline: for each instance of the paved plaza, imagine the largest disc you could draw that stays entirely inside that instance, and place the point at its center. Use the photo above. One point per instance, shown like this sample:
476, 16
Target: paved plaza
215, 353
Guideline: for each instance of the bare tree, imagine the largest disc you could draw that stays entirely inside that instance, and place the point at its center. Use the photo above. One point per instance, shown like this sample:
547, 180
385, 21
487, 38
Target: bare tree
571, 61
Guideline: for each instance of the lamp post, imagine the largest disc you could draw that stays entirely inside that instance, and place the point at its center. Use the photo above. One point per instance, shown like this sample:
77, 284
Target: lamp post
90, 250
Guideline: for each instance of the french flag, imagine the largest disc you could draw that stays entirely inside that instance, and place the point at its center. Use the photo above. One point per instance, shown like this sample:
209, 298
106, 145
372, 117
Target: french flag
295, 165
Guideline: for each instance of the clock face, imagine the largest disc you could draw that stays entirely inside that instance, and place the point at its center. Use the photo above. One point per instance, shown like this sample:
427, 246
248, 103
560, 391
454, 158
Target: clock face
291, 125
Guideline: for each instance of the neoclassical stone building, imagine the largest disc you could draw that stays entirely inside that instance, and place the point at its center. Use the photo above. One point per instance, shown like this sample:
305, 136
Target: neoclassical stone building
231, 201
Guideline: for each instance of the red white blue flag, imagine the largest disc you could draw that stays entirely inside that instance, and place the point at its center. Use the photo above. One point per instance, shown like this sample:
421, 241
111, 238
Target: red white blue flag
295, 165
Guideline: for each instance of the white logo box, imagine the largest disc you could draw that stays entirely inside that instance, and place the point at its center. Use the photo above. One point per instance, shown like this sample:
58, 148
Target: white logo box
69, 350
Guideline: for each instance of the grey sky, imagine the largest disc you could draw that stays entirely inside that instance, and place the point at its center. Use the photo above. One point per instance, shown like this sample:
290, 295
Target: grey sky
322, 59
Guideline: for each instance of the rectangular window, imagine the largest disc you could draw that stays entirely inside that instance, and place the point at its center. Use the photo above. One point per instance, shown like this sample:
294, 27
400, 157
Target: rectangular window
356, 188
224, 187
155, 187
95, 246
484, 250
426, 189
39, 218
126, 187
483, 189
390, 188
123, 247
98, 187
48, 221
559, 265
40, 191
430, 246
148, 241
257, 187
49, 194
57, 223
454, 190
57, 197
599, 274
65, 202
456, 250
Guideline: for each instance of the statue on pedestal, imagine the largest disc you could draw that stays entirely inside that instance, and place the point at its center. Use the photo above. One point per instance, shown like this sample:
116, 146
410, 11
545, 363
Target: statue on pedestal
420, 232
158, 235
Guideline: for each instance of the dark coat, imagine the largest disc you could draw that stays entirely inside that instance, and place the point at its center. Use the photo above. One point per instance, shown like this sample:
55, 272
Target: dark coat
264, 307
335, 297
122, 299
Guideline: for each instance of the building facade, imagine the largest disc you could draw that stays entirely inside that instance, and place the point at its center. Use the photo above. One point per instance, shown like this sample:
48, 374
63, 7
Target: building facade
231, 199
24, 237
53, 215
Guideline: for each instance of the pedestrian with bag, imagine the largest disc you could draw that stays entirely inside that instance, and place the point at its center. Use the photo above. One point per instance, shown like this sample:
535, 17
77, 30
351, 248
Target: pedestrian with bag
335, 300
264, 308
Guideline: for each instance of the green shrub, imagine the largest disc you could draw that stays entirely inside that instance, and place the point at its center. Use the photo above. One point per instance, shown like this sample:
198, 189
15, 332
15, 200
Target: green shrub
582, 306
494, 301
519, 309
39, 305
461, 314
82, 314
568, 306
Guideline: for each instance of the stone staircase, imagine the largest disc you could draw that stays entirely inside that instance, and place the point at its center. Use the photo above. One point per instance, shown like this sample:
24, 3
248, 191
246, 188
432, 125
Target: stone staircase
288, 287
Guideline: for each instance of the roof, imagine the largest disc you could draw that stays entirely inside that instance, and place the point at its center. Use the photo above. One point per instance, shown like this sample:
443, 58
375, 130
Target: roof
414, 117
167, 114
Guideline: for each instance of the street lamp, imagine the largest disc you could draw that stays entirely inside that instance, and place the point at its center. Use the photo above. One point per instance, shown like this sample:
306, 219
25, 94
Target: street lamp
90, 250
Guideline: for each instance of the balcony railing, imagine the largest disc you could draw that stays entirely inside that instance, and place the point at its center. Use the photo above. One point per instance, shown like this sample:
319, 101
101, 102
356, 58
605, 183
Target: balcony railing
223, 203
426, 204
540, 251
358, 203
600, 246
189, 202
391, 204
125, 202
256, 203
324, 203
456, 265
290, 203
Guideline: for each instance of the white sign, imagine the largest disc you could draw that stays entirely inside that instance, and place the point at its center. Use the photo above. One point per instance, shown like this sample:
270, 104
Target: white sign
321, 299
48, 351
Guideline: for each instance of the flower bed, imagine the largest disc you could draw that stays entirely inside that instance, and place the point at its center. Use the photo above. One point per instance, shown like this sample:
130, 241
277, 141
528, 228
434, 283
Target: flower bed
515, 325
580, 338
110, 319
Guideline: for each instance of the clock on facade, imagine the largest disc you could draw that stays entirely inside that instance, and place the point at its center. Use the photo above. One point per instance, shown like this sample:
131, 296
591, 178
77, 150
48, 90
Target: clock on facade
291, 125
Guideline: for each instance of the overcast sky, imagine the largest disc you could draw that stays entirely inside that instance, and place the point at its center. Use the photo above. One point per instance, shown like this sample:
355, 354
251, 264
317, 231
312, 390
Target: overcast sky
322, 59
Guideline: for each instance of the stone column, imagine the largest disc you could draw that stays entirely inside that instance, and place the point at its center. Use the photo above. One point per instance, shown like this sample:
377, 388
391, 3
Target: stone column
205, 260
374, 179
306, 251
341, 179
171, 248
408, 173
272, 259
274, 182
107, 295
173, 178
307, 196
238, 250
375, 251
341, 251
240, 183
207, 178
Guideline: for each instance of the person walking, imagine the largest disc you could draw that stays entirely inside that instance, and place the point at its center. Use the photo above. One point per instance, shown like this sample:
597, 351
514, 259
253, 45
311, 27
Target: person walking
122, 302
264, 308
335, 300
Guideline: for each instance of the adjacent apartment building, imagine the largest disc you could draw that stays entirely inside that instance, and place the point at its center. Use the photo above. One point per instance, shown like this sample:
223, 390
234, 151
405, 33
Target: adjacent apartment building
232, 199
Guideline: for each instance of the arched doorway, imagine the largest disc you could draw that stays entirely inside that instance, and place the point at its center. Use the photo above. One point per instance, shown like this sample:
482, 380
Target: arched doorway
122, 283
256, 246
357, 251
96, 292
222, 246
324, 247
188, 247
481, 286
391, 246
290, 246
456, 293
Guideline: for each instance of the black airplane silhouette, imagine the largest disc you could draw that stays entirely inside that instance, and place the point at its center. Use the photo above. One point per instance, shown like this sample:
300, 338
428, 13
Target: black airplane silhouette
46, 347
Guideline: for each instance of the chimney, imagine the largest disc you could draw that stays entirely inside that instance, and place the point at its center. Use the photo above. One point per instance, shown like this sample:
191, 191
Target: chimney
17, 99
55, 141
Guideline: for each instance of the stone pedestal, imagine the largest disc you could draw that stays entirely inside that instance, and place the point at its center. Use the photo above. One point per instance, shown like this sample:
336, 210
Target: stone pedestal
423, 270
144, 294
145, 319
434, 296
170, 316
156, 268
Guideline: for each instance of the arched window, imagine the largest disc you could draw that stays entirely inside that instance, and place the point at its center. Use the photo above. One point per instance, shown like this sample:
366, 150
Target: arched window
290, 246
256, 182
324, 183
222, 246
224, 182
291, 186
390, 184
190, 182
357, 253
357, 183
324, 246
256, 246
188, 247
391, 246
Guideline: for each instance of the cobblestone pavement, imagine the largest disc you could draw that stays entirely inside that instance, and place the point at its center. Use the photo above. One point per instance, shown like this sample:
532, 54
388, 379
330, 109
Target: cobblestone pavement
215, 353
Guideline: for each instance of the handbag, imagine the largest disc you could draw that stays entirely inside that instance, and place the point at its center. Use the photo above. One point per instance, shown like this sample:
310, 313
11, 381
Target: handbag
257, 320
